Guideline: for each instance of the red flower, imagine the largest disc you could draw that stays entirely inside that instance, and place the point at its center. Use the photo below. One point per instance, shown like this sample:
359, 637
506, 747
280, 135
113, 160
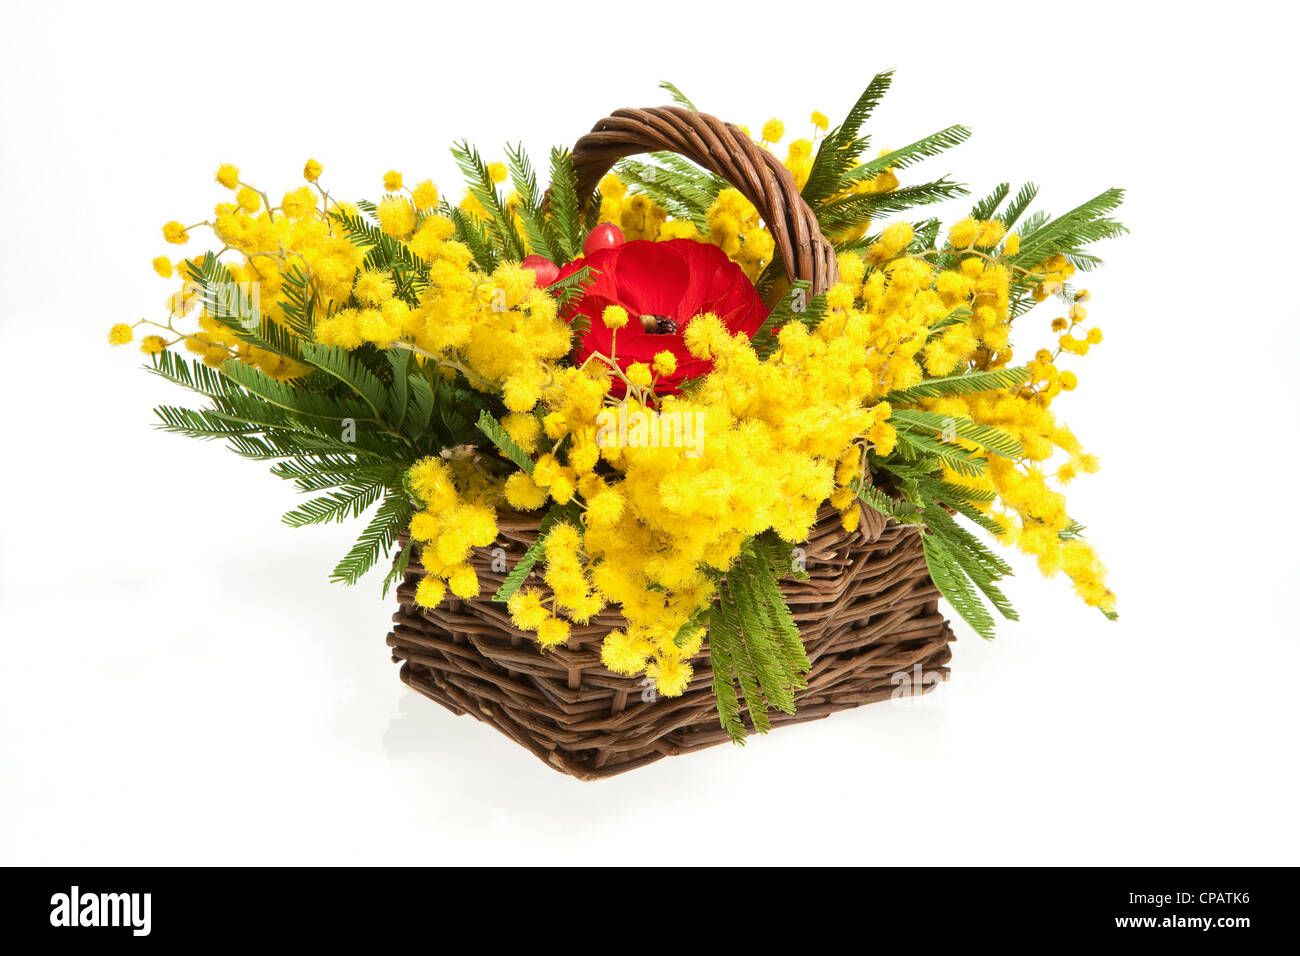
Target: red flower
677, 280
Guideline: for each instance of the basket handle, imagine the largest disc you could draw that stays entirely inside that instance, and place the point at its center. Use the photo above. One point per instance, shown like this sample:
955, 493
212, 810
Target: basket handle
725, 151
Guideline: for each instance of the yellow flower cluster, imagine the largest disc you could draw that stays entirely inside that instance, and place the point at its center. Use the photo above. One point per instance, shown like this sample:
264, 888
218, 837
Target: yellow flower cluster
457, 516
650, 524
735, 228
1029, 511
656, 527
902, 299
781, 437
499, 330
299, 236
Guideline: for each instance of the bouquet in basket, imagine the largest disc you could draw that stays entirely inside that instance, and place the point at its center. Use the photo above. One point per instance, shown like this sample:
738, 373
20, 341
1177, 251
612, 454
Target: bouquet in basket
671, 372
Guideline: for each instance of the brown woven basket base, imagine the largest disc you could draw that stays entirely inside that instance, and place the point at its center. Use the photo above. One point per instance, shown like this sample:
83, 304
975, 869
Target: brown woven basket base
869, 619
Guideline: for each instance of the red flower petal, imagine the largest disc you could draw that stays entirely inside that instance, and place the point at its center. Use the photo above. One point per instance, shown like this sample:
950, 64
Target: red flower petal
678, 279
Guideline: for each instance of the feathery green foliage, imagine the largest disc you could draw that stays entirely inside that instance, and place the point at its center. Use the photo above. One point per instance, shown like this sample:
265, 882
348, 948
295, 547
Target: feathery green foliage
754, 646
566, 205
678, 96
500, 224
961, 383
539, 229
991, 439
389, 521
493, 429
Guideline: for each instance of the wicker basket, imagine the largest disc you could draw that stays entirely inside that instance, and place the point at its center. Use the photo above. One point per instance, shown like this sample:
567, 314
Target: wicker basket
868, 613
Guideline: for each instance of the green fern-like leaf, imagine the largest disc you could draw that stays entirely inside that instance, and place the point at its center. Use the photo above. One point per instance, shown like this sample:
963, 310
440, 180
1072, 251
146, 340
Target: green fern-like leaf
841, 146
926, 447
678, 96
566, 205
953, 584
858, 209
350, 502
1016, 208
345, 366
388, 523
923, 148
493, 429
724, 638
538, 229
986, 436
963, 383
986, 207
500, 224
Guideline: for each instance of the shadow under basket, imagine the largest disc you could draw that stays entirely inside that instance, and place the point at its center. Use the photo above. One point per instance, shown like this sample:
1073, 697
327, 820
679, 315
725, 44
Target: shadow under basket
868, 615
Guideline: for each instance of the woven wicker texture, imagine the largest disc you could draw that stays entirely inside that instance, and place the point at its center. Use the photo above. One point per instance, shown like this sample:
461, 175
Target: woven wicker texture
868, 615
725, 151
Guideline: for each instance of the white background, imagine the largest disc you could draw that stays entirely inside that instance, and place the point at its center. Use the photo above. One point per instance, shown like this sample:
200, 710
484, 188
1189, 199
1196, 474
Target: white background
179, 683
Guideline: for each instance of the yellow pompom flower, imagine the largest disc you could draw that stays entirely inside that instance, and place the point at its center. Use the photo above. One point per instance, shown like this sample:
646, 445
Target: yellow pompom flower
665, 363
497, 172
773, 131
392, 180
520, 392
624, 654
175, 233
424, 526
614, 316
563, 487
638, 373
526, 609
216, 356
153, 344
299, 204
820, 121
1068, 381
850, 518
463, 581
248, 199
312, 170
425, 195
433, 483
670, 674
1073, 345
990, 233
430, 591
605, 508
706, 336
228, 175
523, 429
120, 334
163, 266
523, 493
552, 631
374, 287
396, 217
963, 233
896, 237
